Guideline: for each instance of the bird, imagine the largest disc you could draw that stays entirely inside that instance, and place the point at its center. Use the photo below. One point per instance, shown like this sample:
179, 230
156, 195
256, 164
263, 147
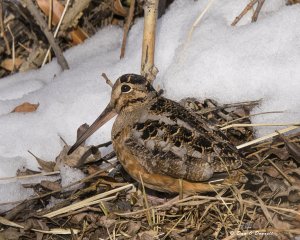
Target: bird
160, 143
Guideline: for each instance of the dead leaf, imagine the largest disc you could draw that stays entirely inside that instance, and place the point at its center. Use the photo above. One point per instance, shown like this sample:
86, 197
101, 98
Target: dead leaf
10, 65
57, 9
294, 194
275, 184
2, 237
25, 172
26, 107
46, 166
293, 148
281, 153
279, 224
80, 156
36, 224
11, 234
106, 222
148, 235
133, 228
77, 218
271, 171
78, 35
53, 186
35, 59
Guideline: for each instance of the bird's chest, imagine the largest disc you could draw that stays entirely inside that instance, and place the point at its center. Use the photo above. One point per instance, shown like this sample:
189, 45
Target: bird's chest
129, 159
121, 132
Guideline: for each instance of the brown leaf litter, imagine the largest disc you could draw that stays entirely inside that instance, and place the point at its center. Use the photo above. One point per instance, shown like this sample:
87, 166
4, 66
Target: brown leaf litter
108, 204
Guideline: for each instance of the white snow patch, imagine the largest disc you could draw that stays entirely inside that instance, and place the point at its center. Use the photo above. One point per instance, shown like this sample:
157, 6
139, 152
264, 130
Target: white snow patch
70, 175
53, 201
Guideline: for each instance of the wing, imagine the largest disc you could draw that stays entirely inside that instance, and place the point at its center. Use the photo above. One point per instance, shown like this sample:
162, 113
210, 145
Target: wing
171, 140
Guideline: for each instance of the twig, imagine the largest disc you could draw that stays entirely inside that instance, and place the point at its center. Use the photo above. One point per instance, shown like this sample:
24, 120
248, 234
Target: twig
259, 125
127, 27
94, 175
265, 211
224, 106
43, 25
87, 202
107, 80
58, 231
243, 13
248, 116
2, 29
266, 137
257, 10
148, 68
31, 175
50, 15
199, 19
179, 220
13, 48
193, 198
64, 61
281, 172
148, 213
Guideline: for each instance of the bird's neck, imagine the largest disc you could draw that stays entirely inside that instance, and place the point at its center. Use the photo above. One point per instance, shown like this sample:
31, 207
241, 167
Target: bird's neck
127, 117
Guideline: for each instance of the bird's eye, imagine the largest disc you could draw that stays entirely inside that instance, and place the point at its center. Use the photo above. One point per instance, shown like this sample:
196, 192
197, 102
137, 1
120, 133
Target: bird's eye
125, 88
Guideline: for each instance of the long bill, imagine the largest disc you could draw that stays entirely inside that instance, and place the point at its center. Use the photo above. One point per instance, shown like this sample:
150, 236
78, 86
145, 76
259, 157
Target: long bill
104, 117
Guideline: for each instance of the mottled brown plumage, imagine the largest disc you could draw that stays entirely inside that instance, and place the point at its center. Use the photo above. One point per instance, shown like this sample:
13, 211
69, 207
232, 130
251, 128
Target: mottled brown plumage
160, 141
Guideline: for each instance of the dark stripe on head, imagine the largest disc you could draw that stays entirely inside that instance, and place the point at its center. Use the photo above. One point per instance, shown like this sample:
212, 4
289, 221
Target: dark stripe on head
133, 79
140, 100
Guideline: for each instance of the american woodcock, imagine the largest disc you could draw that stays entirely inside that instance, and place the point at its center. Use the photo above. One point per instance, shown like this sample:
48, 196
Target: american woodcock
160, 142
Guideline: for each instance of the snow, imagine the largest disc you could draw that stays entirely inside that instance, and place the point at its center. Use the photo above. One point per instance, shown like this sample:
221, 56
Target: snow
70, 175
230, 64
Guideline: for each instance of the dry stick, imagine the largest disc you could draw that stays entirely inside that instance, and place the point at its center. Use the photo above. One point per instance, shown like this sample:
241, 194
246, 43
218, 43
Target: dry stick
265, 211
266, 137
2, 29
43, 25
13, 47
246, 9
224, 106
31, 176
55, 34
199, 19
87, 202
248, 116
281, 172
50, 14
62, 231
69, 185
177, 202
257, 10
148, 213
259, 125
168, 233
148, 68
108, 81
127, 27
189, 37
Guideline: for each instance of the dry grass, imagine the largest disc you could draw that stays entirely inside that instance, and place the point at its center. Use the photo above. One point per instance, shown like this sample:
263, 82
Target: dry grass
264, 206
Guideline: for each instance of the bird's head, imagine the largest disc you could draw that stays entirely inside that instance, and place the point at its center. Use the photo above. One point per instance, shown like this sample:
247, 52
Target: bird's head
130, 91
